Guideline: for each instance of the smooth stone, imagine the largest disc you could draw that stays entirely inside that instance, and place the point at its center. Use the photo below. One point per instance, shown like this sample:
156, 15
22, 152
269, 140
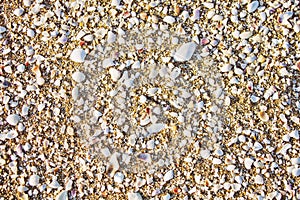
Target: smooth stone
169, 19
108, 62
252, 6
30, 33
248, 163
115, 74
19, 11
75, 93
26, 3
155, 128
259, 180
13, 119
296, 172
205, 153
34, 180
134, 196
169, 175
63, 195
185, 52
78, 55
78, 77
12, 134
118, 177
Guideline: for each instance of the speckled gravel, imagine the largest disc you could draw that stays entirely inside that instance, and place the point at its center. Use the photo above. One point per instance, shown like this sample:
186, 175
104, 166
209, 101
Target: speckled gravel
245, 144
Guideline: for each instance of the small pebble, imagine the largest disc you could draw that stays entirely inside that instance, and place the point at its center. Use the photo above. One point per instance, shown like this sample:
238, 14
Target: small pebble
78, 76
78, 55
185, 52
169, 175
118, 177
252, 6
63, 195
34, 180
13, 119
134, 196
19, 11
248, 163
115, 74
169, 19
259, 180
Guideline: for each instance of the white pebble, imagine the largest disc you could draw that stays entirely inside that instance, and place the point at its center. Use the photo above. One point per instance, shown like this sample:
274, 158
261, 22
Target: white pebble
12, 134
134, 196
63, 195
295, 161
118, 177
205, 153
30, 33
13, 119
75, 93
169, 19
88, 38
254, 99
115, 74
226, 68
108, 62
19, 11
296, 172
111, 37
26, 3
185, 52
248, 163
78, 76
78, 55
2, 29
259, 180
34, 180
246, 35
257, 146
169, 175
115, 3
155, 128
294, 134
252, 6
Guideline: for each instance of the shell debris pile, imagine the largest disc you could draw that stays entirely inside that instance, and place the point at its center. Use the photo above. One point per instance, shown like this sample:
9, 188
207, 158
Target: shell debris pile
127, 99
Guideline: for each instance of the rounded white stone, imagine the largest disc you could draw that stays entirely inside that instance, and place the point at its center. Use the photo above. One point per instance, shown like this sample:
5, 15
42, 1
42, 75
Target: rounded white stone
296, 172
75, 93
19, 11
205, 153
13, 119
169, 19
248, 163
259, 180
252, 6
63, 195
27, 3
115, 74
169, 175
118, 177
34, 180
30, 33
134, 196
12, 134
78, 55
78, 76
185, 52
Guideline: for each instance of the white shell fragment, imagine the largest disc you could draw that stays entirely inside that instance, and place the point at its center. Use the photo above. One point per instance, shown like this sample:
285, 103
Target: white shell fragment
185, 52
13, 119
248, 163
252, 6
259, 180
78, 55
